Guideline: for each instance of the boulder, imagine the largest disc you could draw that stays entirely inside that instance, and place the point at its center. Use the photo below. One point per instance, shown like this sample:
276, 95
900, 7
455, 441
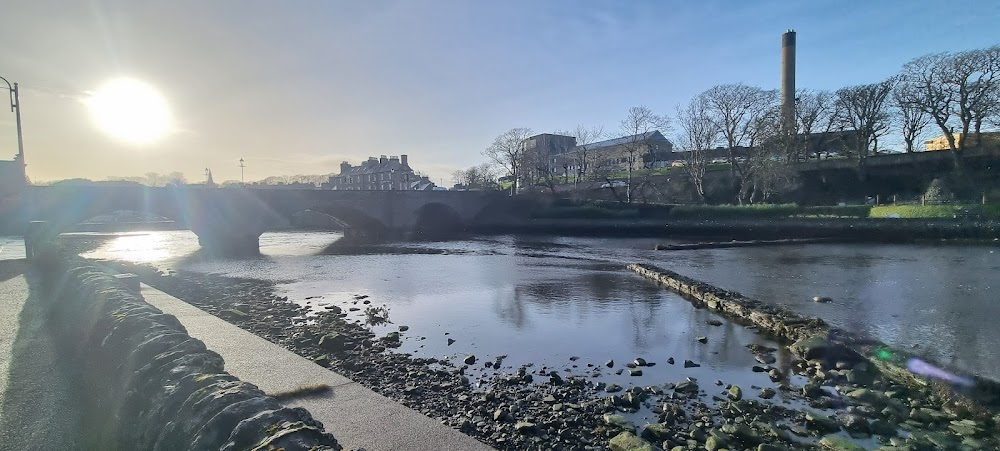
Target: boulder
333, 342
735, 393
627, 441
656, 432
524, 427
819, 422
686, 387
838, 443
818, 347
617, 421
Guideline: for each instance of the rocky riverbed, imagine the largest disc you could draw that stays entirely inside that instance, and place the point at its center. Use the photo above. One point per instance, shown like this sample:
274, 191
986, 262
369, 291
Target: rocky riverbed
828, 400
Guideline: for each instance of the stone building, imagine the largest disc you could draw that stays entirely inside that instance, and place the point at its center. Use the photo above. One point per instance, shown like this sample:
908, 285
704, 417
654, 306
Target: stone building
379, 174
650, 149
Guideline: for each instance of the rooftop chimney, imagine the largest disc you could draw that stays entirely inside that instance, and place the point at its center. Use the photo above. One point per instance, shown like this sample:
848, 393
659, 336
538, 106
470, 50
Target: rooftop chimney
402, 160
382, 159
344, 167
788, 79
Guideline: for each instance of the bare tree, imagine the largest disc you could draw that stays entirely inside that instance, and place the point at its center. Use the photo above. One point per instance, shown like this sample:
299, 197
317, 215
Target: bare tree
481, 177
985, 100
636, 127
735, 109
508, 151
585, 136
698, 134
865, 109
912, 119
815, 113
458, 177
955, 89
769, 169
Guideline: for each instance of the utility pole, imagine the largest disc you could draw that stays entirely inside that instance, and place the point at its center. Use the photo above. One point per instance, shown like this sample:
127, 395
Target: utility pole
241, 172
15, 107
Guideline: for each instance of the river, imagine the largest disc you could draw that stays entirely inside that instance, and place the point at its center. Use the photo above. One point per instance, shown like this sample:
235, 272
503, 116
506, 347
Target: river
546, 299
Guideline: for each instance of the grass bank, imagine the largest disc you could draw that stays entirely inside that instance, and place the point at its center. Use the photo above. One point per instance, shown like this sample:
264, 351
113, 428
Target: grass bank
991, 212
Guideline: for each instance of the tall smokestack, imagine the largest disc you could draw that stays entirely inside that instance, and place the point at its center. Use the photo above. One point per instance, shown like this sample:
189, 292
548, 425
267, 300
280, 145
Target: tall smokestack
788, 79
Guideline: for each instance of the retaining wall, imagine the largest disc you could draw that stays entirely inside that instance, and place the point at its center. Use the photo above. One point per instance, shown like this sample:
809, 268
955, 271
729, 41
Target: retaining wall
148, 384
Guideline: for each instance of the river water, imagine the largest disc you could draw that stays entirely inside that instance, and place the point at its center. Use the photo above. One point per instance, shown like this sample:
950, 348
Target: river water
545, 300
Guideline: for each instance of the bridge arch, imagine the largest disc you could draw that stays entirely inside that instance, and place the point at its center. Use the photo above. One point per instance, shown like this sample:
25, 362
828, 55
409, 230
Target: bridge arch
437, 219
357, 223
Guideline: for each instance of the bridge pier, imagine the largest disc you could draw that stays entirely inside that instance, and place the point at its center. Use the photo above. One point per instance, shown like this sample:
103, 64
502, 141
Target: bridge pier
225, 241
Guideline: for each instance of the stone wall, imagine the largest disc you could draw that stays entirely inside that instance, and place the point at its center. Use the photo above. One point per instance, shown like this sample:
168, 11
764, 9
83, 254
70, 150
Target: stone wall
150, 385
811, 337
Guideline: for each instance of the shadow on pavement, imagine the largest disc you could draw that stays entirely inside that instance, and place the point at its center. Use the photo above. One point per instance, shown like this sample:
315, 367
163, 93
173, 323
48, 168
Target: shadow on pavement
42, 407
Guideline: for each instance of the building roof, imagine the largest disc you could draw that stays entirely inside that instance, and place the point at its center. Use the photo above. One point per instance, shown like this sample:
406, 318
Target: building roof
654, 135
374, 166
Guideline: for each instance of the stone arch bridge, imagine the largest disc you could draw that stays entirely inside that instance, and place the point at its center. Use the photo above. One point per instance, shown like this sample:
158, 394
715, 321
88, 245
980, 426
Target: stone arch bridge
231, 220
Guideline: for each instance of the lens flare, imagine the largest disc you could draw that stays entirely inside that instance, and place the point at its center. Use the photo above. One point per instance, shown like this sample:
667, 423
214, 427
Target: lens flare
923, 368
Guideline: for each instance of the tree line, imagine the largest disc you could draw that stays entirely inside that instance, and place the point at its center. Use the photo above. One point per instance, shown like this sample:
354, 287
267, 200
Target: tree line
952, 94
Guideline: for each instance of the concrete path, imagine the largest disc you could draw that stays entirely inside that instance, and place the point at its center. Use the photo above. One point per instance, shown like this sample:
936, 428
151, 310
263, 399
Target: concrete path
357, 416
39, 408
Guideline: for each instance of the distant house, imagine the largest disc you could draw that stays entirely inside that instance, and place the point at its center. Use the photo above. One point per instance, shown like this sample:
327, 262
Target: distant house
941, 142
11, 177
282, 185
379, 174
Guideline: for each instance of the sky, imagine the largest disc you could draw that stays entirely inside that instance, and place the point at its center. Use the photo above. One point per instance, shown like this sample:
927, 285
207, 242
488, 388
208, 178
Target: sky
297, 87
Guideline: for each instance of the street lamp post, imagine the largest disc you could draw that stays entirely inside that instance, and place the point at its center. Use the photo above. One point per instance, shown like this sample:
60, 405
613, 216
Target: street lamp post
241, 172
15, 107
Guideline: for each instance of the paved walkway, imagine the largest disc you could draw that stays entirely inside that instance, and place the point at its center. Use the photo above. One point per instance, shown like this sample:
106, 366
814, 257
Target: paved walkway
38, 382
357, 416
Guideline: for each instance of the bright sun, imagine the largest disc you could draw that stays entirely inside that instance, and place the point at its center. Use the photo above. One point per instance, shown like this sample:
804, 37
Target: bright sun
130, 110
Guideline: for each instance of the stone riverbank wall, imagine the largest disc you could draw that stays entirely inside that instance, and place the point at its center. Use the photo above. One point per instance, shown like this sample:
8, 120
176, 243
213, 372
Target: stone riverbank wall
811, 337
147, 384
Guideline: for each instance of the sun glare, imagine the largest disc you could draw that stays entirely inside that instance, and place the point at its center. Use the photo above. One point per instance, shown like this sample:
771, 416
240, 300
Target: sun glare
130, 110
